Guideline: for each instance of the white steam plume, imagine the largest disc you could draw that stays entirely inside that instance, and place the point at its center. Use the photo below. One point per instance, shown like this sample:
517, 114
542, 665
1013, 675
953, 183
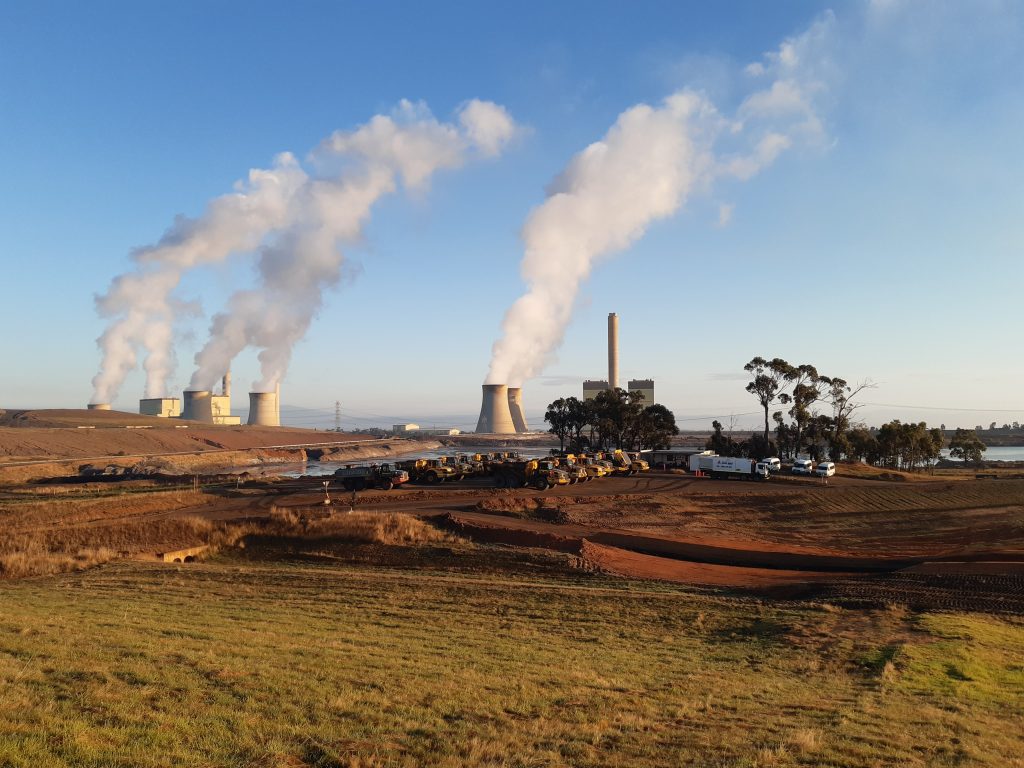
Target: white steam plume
305, 257
140, 302
293, 221
644, 169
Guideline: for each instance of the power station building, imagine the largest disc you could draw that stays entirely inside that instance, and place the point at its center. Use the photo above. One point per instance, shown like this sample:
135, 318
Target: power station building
164, 407
591, 387
645, 387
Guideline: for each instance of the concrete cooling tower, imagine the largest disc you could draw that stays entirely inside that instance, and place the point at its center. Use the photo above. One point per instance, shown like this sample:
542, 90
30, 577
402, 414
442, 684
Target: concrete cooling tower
495, 415
196, 405
515, 406
263, 410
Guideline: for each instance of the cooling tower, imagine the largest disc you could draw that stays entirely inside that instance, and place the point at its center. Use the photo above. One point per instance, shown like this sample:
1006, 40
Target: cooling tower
263, 409
515, 406
613, 350
196, 405
495, 415
99, 406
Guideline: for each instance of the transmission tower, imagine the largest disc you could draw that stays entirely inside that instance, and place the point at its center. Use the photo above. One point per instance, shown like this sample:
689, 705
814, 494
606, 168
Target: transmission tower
337, 416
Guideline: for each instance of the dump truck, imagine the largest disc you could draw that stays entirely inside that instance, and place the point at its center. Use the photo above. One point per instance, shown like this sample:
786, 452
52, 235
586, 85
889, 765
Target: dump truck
430, 471
594, 467
627, 463
535, 473
383, 476
461, 467
725, 467
568, 464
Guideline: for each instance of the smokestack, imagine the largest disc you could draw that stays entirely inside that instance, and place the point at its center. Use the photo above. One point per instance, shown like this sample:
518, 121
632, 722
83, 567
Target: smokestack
263, 409
515, 406
196, 405
495, 414
226, 384
99, 406
613, 350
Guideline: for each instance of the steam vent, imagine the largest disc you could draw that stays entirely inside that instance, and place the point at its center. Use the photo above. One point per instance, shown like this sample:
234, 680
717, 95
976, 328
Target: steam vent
515, 406
263, 411
495, 414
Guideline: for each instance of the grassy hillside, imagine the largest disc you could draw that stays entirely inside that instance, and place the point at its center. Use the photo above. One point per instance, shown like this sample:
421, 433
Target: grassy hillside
314, 662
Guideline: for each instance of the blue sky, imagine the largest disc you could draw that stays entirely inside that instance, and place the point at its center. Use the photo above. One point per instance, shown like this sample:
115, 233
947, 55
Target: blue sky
889, 250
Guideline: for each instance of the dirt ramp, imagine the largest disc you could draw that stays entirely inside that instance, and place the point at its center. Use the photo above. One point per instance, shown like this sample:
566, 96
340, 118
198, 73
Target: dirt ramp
621, 562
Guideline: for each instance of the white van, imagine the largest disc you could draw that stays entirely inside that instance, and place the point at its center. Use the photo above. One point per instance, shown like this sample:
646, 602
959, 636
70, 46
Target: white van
773, 464
802, 467
825, 469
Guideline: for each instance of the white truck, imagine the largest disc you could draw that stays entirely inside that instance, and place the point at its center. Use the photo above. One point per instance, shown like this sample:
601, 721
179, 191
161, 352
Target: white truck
724, 467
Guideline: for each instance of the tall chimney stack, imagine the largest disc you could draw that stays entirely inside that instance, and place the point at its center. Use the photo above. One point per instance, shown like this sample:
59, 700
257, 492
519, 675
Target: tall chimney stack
226, 384
613, 350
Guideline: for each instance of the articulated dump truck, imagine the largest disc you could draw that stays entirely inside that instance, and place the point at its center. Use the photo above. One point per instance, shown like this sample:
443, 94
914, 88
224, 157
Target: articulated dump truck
383, 476
430, 471
540, 474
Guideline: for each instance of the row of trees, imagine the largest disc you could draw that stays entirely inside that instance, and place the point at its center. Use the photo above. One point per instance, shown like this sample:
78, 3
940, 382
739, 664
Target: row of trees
801, 387
832, 433
615, 418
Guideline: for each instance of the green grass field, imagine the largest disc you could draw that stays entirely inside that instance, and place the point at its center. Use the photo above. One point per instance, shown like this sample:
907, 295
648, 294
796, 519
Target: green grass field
318, 661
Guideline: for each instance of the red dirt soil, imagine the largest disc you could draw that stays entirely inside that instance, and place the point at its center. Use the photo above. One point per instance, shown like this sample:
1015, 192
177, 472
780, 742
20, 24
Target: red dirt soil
621, 562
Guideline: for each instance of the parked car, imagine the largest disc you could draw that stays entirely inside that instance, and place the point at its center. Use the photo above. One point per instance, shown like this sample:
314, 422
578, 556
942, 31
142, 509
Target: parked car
825, 469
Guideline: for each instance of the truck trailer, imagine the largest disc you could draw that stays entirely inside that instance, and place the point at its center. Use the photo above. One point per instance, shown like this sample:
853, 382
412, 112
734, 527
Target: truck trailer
725, 467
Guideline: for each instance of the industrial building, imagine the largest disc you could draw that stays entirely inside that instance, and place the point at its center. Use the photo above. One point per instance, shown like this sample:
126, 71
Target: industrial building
401, 429
164, 407
645, 387
591, 388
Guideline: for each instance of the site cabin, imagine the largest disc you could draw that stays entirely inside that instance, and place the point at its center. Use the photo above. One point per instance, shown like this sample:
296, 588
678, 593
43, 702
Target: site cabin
802, 467
825, 469
383, 476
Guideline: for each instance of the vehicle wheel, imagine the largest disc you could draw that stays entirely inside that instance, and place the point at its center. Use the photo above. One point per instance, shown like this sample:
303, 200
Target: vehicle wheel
573, 480
430, 478
387, 485
541, 485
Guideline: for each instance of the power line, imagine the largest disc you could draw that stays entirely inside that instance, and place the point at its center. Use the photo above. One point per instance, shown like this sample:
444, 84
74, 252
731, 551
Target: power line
947, 408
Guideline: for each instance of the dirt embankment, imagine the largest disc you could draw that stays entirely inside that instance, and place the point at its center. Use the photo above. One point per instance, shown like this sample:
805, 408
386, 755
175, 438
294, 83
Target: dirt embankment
28, 452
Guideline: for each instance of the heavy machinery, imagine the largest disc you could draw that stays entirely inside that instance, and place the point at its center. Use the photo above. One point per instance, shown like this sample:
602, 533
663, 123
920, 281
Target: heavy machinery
594, 467
540, 474
383, 476
577, 472
461, 467
625, 463
430, 471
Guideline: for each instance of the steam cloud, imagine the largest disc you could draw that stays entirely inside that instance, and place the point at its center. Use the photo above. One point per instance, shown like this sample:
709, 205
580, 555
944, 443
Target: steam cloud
295, 223
644, 169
